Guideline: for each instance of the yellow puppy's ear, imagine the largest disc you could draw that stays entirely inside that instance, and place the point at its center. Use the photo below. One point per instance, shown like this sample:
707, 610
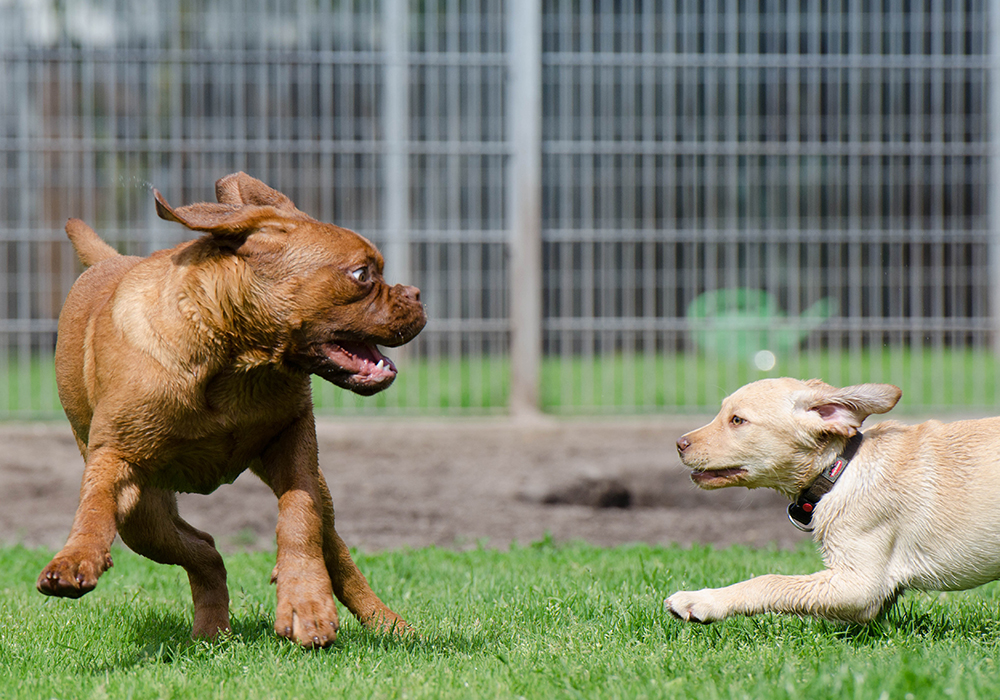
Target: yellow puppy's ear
844, 410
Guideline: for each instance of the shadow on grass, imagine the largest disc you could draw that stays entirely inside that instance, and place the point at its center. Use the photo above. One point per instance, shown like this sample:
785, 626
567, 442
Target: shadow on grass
165, 638
436, 644
158, 637
923, 619
909, 618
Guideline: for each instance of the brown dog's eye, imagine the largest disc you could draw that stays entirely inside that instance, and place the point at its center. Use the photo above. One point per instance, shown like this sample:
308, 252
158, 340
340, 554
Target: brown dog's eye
361, 274
736, 420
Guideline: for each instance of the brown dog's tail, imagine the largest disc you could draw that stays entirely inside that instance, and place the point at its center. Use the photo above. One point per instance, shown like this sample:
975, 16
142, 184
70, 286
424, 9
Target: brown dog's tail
88, 245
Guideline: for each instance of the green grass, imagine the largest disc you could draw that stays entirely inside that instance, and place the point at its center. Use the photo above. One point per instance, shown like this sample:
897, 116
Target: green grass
537, 621
932, 380
478, 385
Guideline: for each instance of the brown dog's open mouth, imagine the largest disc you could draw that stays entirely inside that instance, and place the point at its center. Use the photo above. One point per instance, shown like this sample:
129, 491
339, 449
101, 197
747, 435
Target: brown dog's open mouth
357, 366
717, 478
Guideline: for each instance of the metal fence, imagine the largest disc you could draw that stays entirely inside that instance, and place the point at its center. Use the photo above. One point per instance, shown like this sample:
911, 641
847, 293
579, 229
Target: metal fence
609, 206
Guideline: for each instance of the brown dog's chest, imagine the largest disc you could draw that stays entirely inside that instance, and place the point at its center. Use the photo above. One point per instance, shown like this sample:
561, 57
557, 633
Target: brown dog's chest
202, 465
197, 473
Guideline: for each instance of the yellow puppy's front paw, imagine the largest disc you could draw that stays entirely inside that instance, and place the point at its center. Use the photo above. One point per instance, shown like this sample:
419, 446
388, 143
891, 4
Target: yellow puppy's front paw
694, 606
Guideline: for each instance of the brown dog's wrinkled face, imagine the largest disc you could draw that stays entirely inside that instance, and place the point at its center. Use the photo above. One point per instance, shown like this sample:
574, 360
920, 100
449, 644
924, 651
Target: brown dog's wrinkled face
769, 433
322, 284
348, 310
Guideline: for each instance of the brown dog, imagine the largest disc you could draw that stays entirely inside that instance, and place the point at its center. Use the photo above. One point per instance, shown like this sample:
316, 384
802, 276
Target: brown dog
181, 370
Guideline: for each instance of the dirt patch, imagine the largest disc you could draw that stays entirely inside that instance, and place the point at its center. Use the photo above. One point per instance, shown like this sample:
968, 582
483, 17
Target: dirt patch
455, 483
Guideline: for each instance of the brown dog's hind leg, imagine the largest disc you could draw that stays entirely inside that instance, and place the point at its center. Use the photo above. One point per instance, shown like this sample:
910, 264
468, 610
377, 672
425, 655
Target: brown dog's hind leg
155, 530
106, 489
349, 584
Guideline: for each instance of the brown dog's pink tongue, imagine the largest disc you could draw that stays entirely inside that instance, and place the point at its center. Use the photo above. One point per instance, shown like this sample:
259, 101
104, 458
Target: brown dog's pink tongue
360, 358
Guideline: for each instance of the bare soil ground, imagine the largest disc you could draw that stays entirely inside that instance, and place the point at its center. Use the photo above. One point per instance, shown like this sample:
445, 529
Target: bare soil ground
450, 483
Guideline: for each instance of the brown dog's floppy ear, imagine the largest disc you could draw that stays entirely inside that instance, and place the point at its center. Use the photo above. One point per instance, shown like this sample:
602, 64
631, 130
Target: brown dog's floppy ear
221, 220
844, 410
240, 189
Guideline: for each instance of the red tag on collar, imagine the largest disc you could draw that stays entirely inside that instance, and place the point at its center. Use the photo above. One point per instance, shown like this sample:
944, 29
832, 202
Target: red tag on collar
836, 468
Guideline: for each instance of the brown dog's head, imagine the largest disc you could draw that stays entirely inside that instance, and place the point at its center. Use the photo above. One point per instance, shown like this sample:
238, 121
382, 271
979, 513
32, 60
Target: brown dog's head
771, 433
315, 298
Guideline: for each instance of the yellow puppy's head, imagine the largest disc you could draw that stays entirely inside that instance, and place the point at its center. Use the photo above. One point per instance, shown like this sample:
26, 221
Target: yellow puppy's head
773, 432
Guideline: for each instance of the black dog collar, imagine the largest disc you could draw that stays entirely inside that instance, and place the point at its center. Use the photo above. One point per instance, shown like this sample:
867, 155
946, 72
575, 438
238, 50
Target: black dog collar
801, 512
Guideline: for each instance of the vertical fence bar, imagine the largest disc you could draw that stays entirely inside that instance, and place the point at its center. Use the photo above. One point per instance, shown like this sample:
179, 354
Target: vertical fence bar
524, 219
396, 165
993, 199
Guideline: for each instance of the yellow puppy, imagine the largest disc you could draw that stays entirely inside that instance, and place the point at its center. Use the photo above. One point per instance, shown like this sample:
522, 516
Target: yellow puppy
893, 508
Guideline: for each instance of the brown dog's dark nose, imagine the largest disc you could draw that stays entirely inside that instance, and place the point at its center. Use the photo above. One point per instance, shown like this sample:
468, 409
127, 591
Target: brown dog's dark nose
409, 292
683, 444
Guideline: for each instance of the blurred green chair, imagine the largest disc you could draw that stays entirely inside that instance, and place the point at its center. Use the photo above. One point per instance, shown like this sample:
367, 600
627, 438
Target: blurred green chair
740, 322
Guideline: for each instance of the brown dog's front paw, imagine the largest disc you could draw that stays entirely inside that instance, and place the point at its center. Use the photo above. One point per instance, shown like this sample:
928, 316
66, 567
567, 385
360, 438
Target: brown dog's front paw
71, 575
312, 624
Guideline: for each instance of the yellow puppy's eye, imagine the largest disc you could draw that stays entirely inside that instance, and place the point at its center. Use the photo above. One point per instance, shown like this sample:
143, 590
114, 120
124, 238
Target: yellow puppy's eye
361, 274
736, 420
